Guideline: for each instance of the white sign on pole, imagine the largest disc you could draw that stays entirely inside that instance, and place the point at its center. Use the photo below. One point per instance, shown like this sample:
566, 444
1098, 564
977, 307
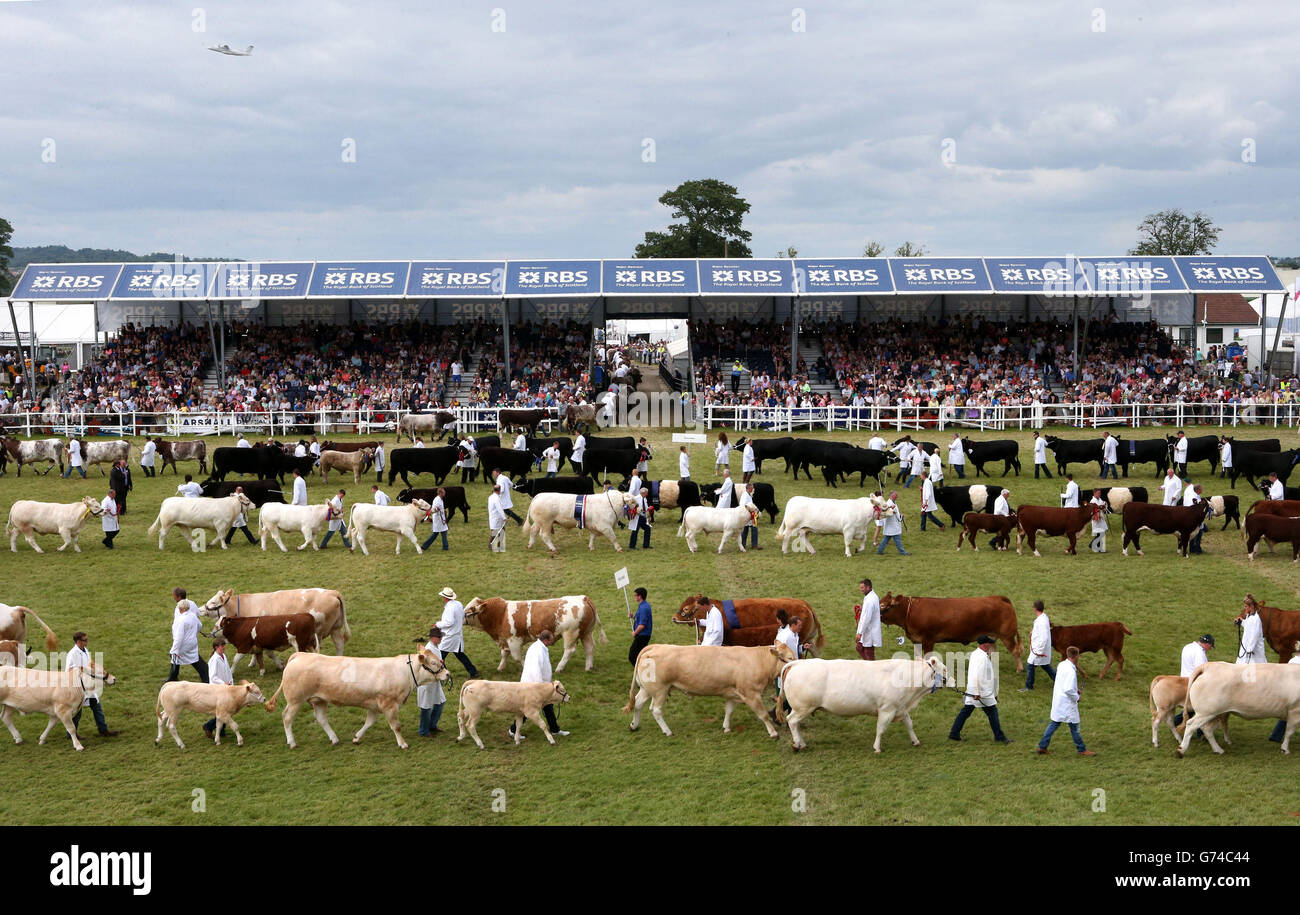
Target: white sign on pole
620, 578
689, 438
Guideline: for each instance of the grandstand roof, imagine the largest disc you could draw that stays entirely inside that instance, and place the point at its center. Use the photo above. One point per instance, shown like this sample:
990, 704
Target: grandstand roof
1065, 276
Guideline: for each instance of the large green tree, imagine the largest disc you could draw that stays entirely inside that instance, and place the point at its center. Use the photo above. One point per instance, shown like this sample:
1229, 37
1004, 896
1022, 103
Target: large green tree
6, 252
713, 214
1173, 232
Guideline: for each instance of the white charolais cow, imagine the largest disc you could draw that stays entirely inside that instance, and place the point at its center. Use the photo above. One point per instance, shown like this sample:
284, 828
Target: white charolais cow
202, 513
1249, 690
522, 700
599, 515
887, 689
701, 519
56, 693
215, 699
63, 518
1167, 693
850, 517
374, 684
276, 518
400, 519
736, 673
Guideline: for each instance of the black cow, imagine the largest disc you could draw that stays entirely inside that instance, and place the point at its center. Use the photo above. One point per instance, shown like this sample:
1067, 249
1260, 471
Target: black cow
453, 501
1077, 451
258, 491
437, 461
507, 460
609, 460
845, 462
1271, 445
264, 462
764, 497
806, 452
574, 485
768, 449
1122, 495
1142, 451
958, 500
927, 447
613, 443
537, 445
1255, 464
288, 463
1200, 448
688, 495
980, 453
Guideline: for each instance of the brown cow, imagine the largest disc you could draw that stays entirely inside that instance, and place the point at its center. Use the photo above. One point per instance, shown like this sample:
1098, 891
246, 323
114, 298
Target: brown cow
358, 462
515, 623
1104, 637
13, 626
1281, 627
757, 618
1183, 520
171, 452
1166, 695
1273, 529
929, 620
12, 654
522, 419
256, 634
972, 523
1054, 522
348, 447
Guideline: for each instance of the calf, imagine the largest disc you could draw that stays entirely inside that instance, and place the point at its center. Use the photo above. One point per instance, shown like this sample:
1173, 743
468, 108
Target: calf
514, 463
523, 700
1167, 694
764, 498
453, 499
727, 521
256, 634
1054, 522
1229, 507
1104, 637
1000, 526
357, 462
1273, 529
216, 699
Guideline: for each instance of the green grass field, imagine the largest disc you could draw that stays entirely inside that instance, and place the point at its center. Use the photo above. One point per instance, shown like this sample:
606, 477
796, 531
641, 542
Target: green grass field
603, 774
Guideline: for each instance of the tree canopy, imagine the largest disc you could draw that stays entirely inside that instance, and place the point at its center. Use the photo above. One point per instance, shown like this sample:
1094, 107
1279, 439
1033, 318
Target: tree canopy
6, 252
713, 215
1173, 232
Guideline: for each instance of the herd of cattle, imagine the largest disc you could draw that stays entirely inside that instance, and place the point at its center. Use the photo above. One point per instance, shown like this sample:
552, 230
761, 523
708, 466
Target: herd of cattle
739, 671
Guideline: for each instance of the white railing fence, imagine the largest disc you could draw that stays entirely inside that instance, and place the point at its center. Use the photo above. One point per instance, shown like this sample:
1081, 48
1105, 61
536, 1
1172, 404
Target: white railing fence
287, 423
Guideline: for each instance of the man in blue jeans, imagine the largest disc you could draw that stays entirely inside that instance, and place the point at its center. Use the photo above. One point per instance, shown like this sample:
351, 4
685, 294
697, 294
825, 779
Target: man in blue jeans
643, 625
893, 526
430, 697
1065, 703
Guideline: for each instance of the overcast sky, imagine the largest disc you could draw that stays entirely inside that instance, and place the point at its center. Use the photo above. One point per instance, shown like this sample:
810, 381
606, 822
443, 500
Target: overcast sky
473, 141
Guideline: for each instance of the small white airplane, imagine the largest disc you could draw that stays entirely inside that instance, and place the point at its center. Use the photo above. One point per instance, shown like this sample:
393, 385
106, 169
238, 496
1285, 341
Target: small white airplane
226, 49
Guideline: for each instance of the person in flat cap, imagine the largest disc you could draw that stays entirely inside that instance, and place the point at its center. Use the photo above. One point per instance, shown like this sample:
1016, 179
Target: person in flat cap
1194, 655
981, 690
430, 697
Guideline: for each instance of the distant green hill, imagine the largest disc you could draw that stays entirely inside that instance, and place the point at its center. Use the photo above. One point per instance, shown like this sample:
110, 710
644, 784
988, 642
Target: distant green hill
62, 254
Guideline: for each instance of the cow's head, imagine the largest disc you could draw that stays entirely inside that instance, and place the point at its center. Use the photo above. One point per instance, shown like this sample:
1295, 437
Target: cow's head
252, 695
782, 652
245, 503
92, 505
558, 692
893, 609
421, 506
473, 611
217, 603
689, 611
431, 667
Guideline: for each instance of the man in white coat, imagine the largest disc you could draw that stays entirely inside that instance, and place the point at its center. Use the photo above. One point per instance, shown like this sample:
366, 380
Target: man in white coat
683, 465
380, 463
218, 672
1172, 487
74, 459
334, 513
726, 490
712, 622
1180, 454
108, 519
537, 669
1040, 648
1100, 526
552, 457
496, 518
79, 656
1109, 455
148, 454
904, 450
750, 530
1252, 637
634, 483
1194, 655
452, 625
747, 461
1070, 498
299, 489
927, 501
1225, 456
919, 465
1001, 506
429, 697
981, 691
877, 443
867, 638
639, 520
381, 497
1065, 703
241, 442
579, 451
189, 489
1276, 491
437, 520
185, 637
957, 455
507, 501
521, 442
892, 529
467, 464
936, 468
1040, 456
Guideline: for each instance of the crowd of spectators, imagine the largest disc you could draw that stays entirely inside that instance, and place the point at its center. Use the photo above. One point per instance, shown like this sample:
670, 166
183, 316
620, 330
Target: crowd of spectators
548, 366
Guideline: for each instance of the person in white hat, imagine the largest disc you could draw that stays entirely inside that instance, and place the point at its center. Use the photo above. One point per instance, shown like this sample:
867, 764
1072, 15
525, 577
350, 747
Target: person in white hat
452, 625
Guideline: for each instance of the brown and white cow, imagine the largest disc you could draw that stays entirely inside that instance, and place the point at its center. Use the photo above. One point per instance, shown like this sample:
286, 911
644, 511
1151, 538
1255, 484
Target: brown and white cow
1107, 638
324, 604
13, 626
354, 462
757, 618
512, 624
56, 693
171, 452
1167, 695
928, 621
522, 700
1000, 526
737, 674
257, 634
216, 699
1053, 522
49, 449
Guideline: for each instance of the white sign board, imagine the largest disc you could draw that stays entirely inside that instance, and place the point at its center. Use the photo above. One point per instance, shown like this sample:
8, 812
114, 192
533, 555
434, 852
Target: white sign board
689, 438
620, 578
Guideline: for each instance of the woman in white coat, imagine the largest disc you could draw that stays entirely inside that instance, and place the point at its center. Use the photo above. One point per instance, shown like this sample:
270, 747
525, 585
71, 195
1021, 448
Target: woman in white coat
1065, 703
1252, 637
721, 454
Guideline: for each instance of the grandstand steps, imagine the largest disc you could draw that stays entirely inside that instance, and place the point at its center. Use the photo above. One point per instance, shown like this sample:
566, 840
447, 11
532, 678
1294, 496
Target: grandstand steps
460, 393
